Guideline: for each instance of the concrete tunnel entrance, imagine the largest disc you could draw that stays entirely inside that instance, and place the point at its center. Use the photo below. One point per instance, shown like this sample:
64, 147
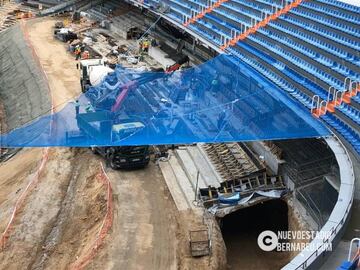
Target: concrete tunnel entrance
240, 231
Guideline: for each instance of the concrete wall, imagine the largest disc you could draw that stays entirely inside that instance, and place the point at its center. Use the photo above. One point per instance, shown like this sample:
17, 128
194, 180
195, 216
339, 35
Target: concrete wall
23, 90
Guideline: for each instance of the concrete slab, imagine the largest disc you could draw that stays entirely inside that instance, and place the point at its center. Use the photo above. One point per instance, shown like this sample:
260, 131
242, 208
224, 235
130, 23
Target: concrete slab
205, 156
209, 173
183, 180
23, 89
160, 56
175, 190
190, 168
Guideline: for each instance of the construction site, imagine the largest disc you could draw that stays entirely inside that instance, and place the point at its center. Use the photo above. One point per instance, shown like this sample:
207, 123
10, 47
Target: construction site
173, 134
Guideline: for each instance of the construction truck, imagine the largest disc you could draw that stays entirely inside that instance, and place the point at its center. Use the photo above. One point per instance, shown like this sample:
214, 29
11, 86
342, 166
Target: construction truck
124, 157
92, 72
99, 126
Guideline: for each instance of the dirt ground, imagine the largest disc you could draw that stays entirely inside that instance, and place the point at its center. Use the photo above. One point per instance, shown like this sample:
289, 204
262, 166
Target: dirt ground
144, 230
59, 65
62, 215
148, 231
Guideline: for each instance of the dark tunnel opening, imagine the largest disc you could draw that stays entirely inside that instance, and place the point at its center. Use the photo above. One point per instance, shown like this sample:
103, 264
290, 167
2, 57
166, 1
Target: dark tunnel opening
240, 232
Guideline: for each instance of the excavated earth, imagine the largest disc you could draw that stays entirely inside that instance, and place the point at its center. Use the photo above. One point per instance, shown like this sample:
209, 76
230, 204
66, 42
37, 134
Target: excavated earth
60, 218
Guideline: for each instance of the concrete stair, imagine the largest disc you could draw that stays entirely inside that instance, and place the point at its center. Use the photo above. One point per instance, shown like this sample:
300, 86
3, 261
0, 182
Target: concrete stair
203, 161
175, 190
193, 162
190, 168
178, 183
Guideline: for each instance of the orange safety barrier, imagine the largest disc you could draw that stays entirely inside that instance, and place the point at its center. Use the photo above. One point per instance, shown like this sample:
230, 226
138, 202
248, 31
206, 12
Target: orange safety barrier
205, 11
35, 179
20, 201
262, 23
83, 261
330, 106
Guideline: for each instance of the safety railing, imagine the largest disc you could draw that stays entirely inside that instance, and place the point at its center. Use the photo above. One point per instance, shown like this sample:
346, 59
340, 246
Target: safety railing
335, 97
196, 15
262, 23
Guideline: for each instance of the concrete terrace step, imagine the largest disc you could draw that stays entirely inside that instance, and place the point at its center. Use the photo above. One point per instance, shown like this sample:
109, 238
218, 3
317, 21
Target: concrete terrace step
182, 180
190, 168
175, 190
202, 151
207, 170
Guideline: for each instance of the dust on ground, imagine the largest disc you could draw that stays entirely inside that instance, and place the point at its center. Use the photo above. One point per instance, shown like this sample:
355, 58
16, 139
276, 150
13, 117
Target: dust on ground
59, 65
63, 213
14, 177
148, 231
144, 229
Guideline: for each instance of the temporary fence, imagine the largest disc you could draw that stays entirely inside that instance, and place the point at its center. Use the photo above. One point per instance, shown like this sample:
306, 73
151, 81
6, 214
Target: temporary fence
83, 261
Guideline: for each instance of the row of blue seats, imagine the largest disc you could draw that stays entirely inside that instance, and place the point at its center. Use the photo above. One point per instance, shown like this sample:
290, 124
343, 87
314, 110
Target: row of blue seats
350, 112
231, 17
282, 52
326, 21
186, 6
312, 39
345, 130
302, 64
177, 7
278, 80
253, 5
335, 13
342, 5
276, 4
202, 29
326, 61
290, 73
320, 31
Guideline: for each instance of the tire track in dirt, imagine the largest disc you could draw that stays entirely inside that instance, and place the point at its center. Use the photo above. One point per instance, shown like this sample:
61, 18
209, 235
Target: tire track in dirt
53, 238
144, 228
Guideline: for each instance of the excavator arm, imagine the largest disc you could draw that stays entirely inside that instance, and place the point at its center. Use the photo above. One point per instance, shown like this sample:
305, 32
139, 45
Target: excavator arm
125, 89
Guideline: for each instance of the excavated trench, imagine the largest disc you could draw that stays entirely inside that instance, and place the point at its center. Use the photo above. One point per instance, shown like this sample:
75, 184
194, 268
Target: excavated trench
240, 231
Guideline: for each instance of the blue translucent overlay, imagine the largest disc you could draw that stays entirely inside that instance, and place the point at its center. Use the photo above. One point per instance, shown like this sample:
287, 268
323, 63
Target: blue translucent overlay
219, 101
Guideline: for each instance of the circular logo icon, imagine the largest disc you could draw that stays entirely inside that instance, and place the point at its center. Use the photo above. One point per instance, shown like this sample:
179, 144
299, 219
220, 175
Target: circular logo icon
267, 240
